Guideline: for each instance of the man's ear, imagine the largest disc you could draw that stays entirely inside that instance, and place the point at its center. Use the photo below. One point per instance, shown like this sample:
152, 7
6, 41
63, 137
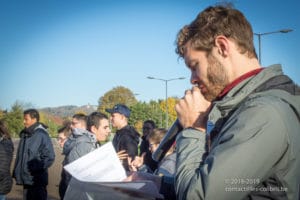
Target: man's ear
93, 129
34, 120
222, 44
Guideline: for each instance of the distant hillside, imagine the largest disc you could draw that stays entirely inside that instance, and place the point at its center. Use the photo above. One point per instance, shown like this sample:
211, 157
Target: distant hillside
68, 111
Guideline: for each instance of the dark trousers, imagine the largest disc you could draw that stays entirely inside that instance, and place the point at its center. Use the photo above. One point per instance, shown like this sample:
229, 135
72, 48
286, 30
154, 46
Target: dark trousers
31, 192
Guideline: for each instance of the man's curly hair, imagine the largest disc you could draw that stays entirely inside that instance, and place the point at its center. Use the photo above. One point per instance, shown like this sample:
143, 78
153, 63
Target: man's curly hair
215, 21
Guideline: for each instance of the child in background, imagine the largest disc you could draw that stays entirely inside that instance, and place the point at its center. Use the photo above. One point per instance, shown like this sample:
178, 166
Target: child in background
166, 167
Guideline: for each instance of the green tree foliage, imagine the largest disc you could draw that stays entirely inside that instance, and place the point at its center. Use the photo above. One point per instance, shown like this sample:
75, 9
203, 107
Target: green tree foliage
2, 113
14, 119
157, 114
52, 128
139, 112
50, 123
117, 95
172, 115
142, 111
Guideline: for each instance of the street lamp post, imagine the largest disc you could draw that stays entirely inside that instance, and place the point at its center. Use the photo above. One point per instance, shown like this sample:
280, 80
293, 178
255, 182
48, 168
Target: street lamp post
166, 83
268, 33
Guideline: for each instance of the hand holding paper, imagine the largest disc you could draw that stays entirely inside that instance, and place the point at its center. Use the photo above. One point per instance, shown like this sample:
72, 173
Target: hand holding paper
100, 165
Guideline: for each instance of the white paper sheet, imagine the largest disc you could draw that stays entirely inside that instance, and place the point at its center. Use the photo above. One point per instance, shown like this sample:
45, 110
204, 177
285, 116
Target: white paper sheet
100, 165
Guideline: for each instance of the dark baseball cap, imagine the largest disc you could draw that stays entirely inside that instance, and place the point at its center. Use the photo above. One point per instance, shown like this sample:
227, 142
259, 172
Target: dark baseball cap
119, 108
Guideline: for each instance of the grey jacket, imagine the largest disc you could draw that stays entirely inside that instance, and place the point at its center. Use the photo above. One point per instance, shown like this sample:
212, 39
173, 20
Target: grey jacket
166, 167
81, 142
255, 153
78, 144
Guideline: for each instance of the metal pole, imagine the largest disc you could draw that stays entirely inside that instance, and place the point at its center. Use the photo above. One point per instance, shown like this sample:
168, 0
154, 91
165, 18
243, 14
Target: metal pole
259, 48
166, 83
167, 115
268, 33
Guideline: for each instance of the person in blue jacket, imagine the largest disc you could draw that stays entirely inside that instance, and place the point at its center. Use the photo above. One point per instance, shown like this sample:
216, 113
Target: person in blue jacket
34, 156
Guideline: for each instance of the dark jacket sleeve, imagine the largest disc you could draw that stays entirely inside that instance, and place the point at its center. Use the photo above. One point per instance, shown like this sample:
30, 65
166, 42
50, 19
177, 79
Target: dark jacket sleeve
64, 182
168, 187
129, 144
144, 147
6, 154
45, 154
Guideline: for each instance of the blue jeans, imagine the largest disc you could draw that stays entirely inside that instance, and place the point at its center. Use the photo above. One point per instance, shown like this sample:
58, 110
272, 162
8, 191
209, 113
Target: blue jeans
2, 197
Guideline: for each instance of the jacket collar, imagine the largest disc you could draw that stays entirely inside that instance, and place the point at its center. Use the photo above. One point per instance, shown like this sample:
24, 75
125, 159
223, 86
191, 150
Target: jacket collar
242, 90
27, 132
77, 136
238, 80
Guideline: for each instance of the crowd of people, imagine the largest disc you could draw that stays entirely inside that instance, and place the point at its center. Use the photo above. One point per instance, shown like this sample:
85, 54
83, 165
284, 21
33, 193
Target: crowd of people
240, 126
77, 137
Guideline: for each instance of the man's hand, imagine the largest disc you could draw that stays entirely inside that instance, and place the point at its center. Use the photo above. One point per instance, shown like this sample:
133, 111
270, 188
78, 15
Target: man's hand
122, 155
192, 110
137, 162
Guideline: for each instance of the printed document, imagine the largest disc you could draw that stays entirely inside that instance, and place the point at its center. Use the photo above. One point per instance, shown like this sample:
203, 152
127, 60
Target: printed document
100, 165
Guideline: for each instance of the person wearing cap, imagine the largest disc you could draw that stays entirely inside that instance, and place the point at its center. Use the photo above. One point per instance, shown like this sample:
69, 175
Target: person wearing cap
126, 137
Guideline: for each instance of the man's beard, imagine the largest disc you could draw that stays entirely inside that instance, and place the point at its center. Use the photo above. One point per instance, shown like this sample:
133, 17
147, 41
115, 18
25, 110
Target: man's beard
217, 78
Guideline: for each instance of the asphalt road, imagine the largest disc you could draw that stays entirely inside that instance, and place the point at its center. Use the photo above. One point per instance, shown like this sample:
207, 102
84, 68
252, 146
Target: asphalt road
54, 176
